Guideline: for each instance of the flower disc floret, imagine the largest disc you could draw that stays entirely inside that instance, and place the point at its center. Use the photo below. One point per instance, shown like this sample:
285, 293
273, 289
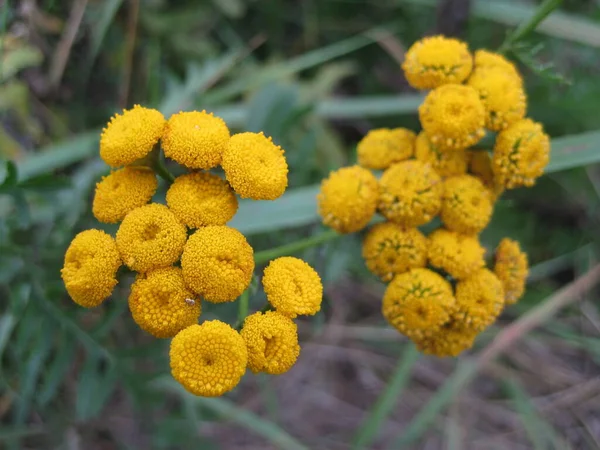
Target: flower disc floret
479, 299
511, 268
150, 237
348, 199
466, 205
446, 164
451, 339
208, 359
201, 199
217, 263
272, 342
480, 165
292, 287
458, 254
130, 136
489, 60
382, 147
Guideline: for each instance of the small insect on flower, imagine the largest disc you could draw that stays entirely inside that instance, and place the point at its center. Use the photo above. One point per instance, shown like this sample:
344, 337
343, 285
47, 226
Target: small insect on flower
190, 301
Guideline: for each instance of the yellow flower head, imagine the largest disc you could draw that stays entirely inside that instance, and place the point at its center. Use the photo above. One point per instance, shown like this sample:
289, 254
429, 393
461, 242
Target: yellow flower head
389, 250
466, 204
511, 268
90, 266
490, 60
130, 136
161, 304
480, 165
521, 154
479, 299
437, 60
121, 192
208, 359
150, 237
255, 167
348, 199
410, 193
417, 303
382, 147
446, 164
200, 199
272, 342
293, 288
457, 254
453, 117
195, 139
217, 263
451, 339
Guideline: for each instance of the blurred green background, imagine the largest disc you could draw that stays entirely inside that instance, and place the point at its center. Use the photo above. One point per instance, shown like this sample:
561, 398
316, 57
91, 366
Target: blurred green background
315, 75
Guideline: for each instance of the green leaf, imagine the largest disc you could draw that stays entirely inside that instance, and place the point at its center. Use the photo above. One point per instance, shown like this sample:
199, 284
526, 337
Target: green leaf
94, 386
574, 151
8, 174
103, 15
57, 371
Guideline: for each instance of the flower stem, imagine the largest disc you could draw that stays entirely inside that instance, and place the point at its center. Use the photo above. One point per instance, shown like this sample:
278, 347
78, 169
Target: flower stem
295, 247
243, 306
159, 167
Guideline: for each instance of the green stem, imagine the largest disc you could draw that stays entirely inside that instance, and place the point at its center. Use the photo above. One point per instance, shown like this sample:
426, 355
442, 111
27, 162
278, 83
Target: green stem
243, 306
159, 167
295, 247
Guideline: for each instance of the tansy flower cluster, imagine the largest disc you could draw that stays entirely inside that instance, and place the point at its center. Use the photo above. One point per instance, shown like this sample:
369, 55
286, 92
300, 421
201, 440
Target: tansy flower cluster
184, 253
440, 293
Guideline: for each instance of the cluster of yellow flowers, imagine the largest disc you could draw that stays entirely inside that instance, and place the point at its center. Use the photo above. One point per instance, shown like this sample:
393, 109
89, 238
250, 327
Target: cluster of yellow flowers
184, 251
440, 294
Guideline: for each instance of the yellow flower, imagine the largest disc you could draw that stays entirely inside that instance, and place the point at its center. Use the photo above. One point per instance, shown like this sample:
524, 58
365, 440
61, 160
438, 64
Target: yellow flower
217, 263
150, 237
130, 136
521, 154
417, 303
410, 193
451, 339
382, 147
457, 254
255, 167
437, 60
348, 199
466, 205
486, 60
511, 268
446, 164
480, 165
208, 359
389, 249
201, 199
272, 342
293, 288
161, 304
453, 117
121, 192
479, 299
195, 139
90, 266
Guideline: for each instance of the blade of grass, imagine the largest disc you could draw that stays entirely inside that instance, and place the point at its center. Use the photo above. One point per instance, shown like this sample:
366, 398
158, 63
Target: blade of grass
574, 151
99, 26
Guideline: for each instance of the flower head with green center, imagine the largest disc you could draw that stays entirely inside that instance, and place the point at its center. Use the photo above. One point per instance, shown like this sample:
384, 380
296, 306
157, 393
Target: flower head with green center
348, 199
217, 263
479, 299
457, 254
200, 199
446, 164
489, 60
90, 267
292, 287
195, 139
466, 205
437, 60
161, 304
382, 147
451, 339
453, 117
511, 268
410, 193
272, 342
130, 136
150, 237
389, 250
480, 165
208, 359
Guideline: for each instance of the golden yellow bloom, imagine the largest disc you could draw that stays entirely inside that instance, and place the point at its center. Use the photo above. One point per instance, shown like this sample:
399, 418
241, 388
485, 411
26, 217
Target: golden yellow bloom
90, 266
272, 342
130, 136
208, 359
348, 199
480, 165
451, 339
410, 193
457, 254
417, 303
437, 60
293, 287
150, 237
511, 268
521, 154
389, 249
485, 60
255, 167
200, 199
218, 263
446, 164
382, 147
453, 117
195, 139
479, 299
121, 192
161, 304
466, 204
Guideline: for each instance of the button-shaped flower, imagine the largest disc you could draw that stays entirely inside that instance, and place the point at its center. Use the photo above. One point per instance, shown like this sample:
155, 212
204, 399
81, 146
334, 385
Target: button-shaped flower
458, 254
511, 268
382, 147
479, 299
